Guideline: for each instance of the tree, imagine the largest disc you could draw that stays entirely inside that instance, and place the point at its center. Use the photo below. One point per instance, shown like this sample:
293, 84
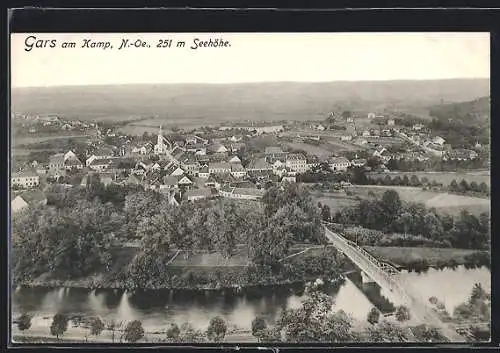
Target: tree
59, 325
325, 213
391, 205
314, 321
373, 316
113, 326
24, 322
463, 186
414, 180
478, 293
484, 188
258, 327
173, 332
453, 185
96, 326
216, 329
402, 313
133, 331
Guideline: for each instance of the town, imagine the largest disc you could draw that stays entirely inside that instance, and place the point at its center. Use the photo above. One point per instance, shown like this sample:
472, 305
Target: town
229, 161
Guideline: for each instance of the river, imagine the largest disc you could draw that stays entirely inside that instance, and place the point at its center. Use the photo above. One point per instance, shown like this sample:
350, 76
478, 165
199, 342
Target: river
157, 308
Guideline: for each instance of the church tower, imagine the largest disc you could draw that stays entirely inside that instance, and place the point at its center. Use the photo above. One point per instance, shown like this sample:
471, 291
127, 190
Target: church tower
160, 148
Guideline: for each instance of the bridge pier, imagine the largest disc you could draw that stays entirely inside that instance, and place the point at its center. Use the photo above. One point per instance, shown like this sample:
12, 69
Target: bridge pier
365, 278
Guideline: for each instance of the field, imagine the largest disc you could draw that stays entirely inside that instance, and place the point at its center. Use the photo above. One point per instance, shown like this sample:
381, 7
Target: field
26, 141
443, 202
336, 201
403, 255
444, 177
310, 149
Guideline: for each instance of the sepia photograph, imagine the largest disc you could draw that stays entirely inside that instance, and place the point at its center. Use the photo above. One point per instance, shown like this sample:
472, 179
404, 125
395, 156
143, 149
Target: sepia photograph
264, 188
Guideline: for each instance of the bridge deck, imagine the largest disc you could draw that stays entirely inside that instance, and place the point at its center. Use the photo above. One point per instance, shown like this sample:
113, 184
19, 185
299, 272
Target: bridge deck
388, 277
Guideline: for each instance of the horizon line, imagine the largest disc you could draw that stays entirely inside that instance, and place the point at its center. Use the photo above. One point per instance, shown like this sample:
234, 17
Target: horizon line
251, 82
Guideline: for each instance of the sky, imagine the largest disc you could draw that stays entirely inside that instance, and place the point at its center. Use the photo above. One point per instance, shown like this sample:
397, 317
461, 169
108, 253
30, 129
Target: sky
251, 57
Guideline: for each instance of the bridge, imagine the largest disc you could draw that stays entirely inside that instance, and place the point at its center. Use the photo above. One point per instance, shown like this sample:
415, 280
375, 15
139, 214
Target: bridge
387, 277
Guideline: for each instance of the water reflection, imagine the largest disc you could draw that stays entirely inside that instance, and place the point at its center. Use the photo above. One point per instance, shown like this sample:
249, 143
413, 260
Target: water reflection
157, 308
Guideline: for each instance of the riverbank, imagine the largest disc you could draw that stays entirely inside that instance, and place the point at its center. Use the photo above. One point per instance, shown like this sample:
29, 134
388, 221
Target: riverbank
300, 267
419, 258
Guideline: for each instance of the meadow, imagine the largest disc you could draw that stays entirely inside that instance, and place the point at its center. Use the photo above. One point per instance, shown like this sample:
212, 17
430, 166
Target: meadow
442, 201
403, 255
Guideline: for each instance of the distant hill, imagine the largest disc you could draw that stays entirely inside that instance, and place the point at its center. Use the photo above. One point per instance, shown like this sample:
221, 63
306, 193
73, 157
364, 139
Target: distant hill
478, 110
255, 101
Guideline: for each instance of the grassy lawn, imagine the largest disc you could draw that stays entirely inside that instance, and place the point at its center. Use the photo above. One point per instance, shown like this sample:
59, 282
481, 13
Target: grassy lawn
403, 255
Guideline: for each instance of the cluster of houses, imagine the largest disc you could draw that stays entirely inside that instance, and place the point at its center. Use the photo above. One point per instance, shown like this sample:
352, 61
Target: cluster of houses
34, 123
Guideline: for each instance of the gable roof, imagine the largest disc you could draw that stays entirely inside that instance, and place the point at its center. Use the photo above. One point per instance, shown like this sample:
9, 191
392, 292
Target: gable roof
260, 163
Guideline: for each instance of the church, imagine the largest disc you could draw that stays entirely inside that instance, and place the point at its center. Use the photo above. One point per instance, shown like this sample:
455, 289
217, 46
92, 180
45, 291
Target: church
163, 146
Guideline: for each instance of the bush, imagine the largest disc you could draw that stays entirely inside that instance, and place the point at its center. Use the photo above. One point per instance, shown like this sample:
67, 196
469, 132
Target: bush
24, 322
402, 313
133, 331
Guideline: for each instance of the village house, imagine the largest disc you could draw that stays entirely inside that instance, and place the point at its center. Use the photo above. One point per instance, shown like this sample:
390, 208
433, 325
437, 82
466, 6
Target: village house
346, 138
358, 162
219, 167
296, 162
460, 155
438, 140
417, 127
218, 148
274, 153
25, 179
190, 164
237, 170
391, 122
56, 162
241, 193
259, 165
289, 179
366, 133
204, 172
100, 164
371, 116
311, 162
339, 164
184, 181
234, 159
200, 194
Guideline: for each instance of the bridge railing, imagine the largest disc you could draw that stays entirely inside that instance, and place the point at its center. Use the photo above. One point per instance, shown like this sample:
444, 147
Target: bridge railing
390, 270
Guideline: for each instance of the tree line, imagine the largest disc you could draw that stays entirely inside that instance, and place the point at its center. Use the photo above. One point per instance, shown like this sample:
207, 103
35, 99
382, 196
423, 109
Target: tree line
389, 214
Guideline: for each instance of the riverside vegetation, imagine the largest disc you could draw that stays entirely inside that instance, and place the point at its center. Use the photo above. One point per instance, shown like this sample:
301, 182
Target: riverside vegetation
80, 233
